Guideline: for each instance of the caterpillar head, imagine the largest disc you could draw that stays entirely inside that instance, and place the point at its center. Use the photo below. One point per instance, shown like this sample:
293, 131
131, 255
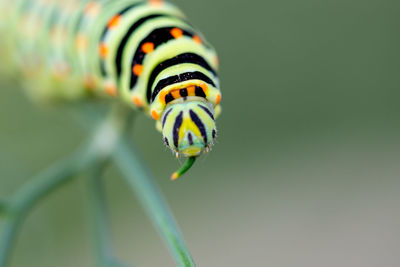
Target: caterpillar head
188, 126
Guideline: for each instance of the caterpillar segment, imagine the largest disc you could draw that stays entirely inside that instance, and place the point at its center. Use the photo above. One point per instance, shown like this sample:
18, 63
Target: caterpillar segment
143, 53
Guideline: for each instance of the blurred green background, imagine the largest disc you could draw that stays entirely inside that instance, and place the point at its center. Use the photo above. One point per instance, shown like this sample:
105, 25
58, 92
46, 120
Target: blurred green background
306, 168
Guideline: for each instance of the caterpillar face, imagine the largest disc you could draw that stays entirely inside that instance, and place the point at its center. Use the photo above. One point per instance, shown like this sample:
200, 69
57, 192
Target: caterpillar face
188, 126
142, 52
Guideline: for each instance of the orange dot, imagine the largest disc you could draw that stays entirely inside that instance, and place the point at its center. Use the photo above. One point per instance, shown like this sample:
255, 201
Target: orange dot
191, 90
197, 39
175, 94
103, 50
218, 99
176, 33
92, 8
111, 89
114, 21
162, 95
155, 2
89, 83
204, 87
216, 60
90, 5
137, 101
154, 114
148, 47
137, 69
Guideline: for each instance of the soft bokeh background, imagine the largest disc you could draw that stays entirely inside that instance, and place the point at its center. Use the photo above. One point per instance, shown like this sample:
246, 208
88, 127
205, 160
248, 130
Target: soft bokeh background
306, 169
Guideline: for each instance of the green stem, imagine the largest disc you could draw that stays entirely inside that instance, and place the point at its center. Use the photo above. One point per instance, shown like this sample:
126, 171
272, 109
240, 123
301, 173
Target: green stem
99, 219
7, 238
42, 184
99, 147
107, 140
37, 188
141, 181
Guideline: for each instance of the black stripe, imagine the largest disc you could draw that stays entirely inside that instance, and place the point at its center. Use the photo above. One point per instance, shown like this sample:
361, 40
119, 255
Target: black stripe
207, 110
190, 139
180, 78
157, 37
183, 92
199, 92
82, 14
165, 117
214, 133
123, 11
105, 30
126, 9
179, 59
124, 41
199, 124
175, 130
103, 68
168, 98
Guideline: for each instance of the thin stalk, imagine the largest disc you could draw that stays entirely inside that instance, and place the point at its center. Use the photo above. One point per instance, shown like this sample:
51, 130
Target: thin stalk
141, 181
45, 182
109, 140
99, 147
99, 220
7, 238
33, 191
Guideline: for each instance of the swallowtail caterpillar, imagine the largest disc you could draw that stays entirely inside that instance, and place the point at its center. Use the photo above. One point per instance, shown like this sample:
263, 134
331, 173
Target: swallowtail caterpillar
143, 53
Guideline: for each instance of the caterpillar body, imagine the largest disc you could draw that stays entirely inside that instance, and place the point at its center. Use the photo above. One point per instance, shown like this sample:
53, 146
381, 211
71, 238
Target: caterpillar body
143, 53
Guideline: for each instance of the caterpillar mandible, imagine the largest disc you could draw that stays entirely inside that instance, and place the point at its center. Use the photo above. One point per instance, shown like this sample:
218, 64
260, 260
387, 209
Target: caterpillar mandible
144, 53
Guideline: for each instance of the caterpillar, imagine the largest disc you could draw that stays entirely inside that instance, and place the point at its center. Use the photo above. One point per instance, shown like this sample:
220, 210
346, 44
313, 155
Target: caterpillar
142, 53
